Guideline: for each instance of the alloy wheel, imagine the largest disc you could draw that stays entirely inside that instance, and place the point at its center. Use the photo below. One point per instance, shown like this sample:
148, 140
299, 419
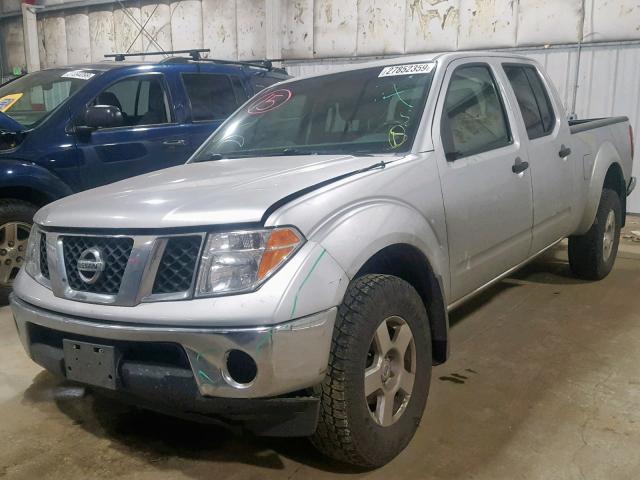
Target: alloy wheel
13, 246
390, 371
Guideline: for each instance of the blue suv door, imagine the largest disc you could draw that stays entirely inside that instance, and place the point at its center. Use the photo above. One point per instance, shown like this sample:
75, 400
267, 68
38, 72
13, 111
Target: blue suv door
150, 137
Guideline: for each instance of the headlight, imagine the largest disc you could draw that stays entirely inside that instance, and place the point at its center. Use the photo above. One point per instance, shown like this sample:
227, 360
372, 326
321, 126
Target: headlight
234, 262
32, 257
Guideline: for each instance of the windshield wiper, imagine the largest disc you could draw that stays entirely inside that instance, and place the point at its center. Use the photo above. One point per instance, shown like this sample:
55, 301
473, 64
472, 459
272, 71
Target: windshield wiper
209, 157
295, 151
288, 151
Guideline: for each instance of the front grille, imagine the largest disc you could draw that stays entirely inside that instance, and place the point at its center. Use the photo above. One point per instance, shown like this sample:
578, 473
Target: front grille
44, 261
115, 253
177, 265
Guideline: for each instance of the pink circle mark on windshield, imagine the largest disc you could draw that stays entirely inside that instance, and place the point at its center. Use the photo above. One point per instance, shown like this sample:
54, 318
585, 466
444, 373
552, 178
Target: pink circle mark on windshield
270, 101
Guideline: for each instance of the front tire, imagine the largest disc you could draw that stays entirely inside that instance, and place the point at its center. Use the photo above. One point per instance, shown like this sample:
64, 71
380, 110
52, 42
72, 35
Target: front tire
16, 219
379, 373
592, 255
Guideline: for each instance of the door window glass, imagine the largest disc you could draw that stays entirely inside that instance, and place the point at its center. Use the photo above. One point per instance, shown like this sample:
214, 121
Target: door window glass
474, 119
211, 96
542, 97
533, 101
142, 101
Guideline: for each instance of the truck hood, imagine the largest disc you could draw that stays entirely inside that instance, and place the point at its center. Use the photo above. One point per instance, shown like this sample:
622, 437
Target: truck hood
218, 192
8, 124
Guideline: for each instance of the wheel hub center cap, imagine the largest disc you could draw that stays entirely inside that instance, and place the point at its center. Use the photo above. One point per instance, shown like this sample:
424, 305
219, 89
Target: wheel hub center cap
386, 369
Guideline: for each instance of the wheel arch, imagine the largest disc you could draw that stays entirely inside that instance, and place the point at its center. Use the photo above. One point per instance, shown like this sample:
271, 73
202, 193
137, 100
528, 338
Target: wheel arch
27, 194
606, 172
410, 264
25, 181
614, 180
388, 236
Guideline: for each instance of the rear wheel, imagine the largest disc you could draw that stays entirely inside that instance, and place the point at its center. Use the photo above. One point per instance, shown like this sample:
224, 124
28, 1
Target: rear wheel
592, 255
16, 218
379, 372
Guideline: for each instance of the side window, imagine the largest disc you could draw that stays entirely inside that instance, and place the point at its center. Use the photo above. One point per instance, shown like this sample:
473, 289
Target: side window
211, 96
526, 101
142, 100
542, 97
473, 118
533, 101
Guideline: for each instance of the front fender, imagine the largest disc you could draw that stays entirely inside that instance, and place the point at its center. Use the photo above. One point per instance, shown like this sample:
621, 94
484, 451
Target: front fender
355, 234
607, 155
27, 175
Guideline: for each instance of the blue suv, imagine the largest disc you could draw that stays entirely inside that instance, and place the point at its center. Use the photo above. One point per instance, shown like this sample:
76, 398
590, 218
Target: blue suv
68, 129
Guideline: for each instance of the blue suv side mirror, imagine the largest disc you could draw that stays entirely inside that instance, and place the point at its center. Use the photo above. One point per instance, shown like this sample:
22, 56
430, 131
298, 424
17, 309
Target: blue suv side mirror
103, 116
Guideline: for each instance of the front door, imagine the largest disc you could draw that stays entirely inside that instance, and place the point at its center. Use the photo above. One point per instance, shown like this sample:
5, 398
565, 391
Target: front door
486, 182
149, 138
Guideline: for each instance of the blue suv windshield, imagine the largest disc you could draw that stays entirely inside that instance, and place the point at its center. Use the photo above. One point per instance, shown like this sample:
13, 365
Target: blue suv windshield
30, 99
366, 111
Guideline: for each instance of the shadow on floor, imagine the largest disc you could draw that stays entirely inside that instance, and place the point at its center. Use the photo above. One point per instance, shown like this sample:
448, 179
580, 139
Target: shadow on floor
549, 269
160, 439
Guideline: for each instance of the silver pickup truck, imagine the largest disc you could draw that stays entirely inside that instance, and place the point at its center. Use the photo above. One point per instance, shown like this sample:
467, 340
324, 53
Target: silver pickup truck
294, 277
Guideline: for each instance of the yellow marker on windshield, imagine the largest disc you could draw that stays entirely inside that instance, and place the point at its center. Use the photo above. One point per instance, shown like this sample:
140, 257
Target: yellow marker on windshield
8, 101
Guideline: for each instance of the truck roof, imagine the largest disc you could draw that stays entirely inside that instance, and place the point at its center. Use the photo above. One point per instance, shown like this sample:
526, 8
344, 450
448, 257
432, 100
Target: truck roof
446, 57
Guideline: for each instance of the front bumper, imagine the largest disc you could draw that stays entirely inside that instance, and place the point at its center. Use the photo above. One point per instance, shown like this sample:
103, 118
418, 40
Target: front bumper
290, 356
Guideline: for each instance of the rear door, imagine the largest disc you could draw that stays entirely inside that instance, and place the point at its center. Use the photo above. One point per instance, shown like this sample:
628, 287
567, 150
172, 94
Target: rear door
486, 184
212, 97
551, 160
147, 140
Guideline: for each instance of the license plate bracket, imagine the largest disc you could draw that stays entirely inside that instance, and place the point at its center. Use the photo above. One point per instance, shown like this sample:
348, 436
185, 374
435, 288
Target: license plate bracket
90, 363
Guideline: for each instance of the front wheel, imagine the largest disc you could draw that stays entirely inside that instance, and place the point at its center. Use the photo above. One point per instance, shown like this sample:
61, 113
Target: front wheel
592, 255
16, 218
379, 372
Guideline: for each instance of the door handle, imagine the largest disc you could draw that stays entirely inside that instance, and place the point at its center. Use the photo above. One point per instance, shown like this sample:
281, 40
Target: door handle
564, 151
519, 166
173, 143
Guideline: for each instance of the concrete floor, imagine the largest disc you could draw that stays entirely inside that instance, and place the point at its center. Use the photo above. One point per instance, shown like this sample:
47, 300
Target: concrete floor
543, 383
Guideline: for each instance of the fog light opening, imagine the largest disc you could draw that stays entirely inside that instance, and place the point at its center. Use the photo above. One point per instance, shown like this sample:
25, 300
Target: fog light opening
241, 368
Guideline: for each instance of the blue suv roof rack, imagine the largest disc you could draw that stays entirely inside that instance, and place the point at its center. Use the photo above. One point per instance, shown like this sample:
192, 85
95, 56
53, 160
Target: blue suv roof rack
195, 55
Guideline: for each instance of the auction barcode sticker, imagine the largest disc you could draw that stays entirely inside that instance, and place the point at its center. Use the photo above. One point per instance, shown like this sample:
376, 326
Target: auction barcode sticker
79, 74
410, 69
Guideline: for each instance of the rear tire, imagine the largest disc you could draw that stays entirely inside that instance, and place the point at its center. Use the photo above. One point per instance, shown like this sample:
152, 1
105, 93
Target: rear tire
592, 255
381, 350
16, 219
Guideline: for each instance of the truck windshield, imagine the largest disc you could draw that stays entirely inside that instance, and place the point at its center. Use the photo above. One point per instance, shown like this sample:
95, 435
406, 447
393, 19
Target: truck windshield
30, 99
366, 111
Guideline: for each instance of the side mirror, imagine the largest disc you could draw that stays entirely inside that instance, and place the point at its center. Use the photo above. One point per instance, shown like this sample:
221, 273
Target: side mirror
102, 116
